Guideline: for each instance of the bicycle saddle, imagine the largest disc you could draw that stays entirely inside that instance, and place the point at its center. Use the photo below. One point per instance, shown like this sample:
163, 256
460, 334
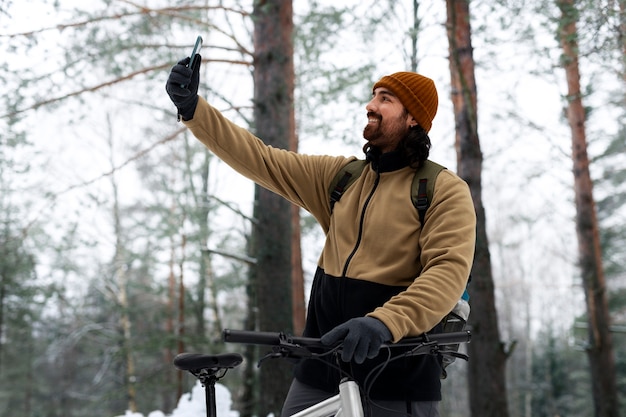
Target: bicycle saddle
197, 361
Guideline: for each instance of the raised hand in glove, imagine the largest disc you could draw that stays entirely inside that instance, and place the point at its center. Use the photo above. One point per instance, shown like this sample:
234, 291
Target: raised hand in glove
362, 337
182, 87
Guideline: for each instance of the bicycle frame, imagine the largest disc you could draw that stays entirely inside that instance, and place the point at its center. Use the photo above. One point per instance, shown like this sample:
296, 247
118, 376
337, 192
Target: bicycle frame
345, 404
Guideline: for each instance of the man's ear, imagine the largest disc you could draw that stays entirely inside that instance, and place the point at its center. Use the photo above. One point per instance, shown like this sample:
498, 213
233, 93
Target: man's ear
410, 121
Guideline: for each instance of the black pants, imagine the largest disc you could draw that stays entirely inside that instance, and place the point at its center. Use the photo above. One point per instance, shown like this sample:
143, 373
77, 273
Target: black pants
301, 396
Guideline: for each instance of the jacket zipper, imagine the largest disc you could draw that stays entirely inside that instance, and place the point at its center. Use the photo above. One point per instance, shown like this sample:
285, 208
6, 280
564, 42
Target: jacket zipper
360, 235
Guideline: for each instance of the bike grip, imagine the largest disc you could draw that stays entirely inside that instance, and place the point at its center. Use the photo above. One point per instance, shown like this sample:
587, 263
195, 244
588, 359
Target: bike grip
250, 337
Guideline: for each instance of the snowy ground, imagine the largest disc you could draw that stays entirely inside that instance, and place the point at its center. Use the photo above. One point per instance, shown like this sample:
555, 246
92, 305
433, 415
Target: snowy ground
193, 404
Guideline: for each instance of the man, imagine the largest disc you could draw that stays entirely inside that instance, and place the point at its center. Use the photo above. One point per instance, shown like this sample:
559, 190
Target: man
382, 275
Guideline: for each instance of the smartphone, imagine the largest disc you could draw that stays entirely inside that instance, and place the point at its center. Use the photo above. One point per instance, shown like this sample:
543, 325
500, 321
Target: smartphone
195, 52
194, 55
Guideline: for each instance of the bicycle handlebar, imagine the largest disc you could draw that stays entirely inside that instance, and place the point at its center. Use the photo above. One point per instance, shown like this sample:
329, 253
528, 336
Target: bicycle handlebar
278, 339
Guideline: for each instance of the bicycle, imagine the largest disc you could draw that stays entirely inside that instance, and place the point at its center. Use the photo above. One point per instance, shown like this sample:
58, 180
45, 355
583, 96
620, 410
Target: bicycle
208, 369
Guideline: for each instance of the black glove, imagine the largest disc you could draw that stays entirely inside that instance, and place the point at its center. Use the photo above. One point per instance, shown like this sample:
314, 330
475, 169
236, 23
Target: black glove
362, 337
182, 87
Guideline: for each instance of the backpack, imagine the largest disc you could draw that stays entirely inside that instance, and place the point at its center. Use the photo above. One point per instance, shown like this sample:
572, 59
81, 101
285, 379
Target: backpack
422, 189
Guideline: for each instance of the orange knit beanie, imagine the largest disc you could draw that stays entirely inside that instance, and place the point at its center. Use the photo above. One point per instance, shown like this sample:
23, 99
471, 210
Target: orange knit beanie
416, 92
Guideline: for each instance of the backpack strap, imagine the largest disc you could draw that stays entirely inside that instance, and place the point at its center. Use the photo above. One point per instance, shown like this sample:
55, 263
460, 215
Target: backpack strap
421, 203
344, 178
422, 189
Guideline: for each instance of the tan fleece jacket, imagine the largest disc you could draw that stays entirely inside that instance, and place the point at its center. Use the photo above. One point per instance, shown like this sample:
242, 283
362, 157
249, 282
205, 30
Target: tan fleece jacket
392, 249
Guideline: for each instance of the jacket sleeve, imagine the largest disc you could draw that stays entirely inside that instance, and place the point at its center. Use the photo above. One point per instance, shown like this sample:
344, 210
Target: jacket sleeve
447, 243
301, 179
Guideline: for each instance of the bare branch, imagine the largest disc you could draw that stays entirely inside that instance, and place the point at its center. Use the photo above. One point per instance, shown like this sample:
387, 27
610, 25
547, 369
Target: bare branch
242, 258
135, 157
107, 84
141, 10
234, 209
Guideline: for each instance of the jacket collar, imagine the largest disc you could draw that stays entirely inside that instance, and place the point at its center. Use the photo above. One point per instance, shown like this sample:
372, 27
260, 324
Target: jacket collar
386, 162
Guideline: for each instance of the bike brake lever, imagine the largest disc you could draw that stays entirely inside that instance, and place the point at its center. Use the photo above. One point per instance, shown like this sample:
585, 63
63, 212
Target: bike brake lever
425, 348
455, 354
286, 349
271, 355
290, 349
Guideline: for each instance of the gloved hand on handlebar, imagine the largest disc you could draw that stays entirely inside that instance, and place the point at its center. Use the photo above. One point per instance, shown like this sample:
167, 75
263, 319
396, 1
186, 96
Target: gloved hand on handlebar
182, 87
362, 337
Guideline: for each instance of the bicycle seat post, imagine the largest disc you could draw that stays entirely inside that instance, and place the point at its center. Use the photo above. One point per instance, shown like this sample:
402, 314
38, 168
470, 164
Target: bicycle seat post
208, 381
208, 369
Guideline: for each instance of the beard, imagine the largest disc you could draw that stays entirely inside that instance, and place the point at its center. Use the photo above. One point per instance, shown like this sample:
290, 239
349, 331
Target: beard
385, 131
371, 133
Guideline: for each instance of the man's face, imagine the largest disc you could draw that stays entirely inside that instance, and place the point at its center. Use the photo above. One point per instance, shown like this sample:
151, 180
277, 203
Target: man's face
387, 120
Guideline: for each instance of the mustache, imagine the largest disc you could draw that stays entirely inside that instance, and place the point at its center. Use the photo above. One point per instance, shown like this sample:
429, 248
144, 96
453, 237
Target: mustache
375, 115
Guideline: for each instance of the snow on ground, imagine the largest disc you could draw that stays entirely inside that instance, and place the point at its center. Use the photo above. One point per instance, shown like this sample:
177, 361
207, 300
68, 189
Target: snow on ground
193, 404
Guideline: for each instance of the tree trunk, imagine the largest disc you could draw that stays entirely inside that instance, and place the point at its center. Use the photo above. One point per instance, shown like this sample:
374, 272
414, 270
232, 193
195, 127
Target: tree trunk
414, 35
181, 320
205, 275
170, 327
622, 35
4, 278
600, 350
272, 233
297, 274
487, 365
121, 280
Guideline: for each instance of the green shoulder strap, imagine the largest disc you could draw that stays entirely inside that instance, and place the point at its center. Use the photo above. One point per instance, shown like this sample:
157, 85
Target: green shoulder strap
343, 179
422, 187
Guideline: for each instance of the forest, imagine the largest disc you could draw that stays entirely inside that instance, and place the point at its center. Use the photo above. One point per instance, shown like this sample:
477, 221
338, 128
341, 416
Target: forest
124, 241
